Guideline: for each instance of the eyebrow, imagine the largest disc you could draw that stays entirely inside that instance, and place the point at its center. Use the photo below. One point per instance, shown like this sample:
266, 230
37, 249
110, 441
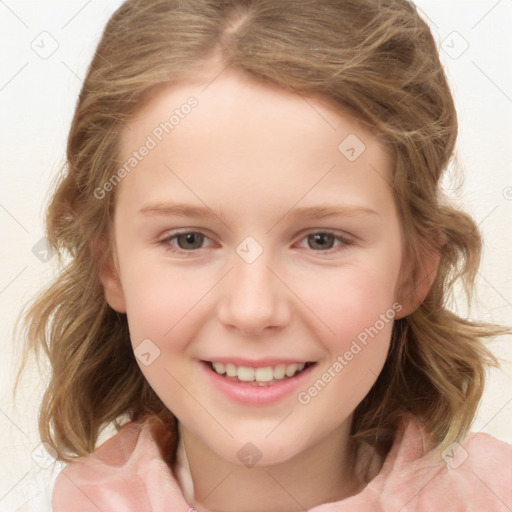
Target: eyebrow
311, 212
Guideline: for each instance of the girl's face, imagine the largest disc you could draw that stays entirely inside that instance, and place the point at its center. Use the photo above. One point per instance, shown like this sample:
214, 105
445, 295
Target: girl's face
255, 231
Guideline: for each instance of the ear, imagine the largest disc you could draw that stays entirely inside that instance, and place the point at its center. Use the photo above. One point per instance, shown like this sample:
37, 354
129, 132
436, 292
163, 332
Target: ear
109, 276
417, 282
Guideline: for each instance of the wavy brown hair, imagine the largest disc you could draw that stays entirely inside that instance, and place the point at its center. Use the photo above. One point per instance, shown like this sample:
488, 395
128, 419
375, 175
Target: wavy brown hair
375, 59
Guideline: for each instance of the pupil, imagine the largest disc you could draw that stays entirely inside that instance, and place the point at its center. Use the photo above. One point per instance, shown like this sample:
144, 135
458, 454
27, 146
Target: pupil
321, 238
188, 238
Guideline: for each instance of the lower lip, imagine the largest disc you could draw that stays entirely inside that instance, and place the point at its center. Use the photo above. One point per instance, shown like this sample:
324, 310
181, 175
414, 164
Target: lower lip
248, 393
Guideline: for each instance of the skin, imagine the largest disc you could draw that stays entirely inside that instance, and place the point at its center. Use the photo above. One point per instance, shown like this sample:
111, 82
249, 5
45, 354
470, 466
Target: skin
252, 152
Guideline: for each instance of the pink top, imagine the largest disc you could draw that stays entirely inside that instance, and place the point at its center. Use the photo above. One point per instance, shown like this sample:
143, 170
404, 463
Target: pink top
128, 474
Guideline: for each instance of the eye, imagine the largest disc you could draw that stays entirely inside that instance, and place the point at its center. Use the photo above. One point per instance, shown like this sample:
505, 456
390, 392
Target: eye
324, 241
186, 241
191, 241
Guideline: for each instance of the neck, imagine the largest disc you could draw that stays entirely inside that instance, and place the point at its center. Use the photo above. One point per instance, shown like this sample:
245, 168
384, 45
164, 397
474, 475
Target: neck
322, 474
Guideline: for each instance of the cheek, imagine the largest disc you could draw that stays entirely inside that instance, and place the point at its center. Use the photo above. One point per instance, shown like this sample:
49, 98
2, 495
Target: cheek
357, 350
353, 299
357, 308
358, 305
159, 299
164, 311
161, 312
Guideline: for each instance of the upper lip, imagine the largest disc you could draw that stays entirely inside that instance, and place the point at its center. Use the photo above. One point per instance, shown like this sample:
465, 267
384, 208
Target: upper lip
256, 363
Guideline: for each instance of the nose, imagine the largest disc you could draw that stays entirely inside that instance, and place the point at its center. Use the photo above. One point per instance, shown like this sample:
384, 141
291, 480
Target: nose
254, 300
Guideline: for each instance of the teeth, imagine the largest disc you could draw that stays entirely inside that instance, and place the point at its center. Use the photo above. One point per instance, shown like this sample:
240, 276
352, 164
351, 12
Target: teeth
291, 369
219, 368
230, 370
264, 374
245, 373
280, 371
260, 375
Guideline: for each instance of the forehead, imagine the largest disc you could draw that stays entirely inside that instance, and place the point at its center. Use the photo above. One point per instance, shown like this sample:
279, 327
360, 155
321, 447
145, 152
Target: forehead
231, 100
237, 134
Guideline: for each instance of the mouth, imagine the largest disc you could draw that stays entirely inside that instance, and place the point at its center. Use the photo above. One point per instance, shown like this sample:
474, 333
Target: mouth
259, 376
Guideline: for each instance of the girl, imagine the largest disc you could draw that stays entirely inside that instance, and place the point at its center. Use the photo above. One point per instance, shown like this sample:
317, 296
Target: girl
259, 260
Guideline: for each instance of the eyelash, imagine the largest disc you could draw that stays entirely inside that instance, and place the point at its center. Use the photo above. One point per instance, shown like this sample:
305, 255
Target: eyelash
345, 241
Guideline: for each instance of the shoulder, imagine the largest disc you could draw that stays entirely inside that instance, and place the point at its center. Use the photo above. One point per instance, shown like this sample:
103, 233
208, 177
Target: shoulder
472, 476
476, 473
76, 487
486, 449
482, 468
115, 476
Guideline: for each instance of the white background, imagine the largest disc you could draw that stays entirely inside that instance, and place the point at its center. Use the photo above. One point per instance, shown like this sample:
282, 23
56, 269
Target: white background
37, 97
